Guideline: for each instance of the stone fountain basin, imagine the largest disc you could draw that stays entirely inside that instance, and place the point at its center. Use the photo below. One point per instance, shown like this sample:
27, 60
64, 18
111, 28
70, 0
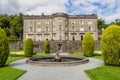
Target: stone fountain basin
49, 61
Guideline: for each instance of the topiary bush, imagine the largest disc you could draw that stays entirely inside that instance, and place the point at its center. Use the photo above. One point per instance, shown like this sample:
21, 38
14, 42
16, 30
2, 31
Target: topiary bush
4, 48
47, 47
28, 47
110, 45
88, 44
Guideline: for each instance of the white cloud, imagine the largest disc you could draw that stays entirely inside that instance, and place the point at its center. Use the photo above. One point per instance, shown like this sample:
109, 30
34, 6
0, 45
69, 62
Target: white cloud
107, 9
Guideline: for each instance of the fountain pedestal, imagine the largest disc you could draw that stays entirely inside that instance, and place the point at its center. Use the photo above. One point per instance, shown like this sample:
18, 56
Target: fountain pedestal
57, 58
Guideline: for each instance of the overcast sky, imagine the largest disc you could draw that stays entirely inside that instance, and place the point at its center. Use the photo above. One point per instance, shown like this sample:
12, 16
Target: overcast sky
106, 9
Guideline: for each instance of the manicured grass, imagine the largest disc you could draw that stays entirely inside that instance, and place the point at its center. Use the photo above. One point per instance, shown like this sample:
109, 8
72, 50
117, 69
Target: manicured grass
104, 73
97, 56
11, 59
8, 73
76, 54
42, 54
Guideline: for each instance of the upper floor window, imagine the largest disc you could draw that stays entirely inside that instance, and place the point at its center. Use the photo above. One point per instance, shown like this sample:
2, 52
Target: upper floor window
81, 22
60, 21
66, 28
38, 22
60, 28
73, 22
60, 37
73, 28
89, 22
46, 36
47, 29
81, 28
30, 29
47, 23
90, 28
30, 23
39, 29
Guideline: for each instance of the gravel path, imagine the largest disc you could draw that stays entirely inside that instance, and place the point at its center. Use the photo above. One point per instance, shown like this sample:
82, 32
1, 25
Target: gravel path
55, 73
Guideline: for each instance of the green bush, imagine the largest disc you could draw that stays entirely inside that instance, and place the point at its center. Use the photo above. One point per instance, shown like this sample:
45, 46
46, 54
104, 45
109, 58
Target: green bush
110, 45
28, 47
88, 45
47, 47
13, 38
4, 48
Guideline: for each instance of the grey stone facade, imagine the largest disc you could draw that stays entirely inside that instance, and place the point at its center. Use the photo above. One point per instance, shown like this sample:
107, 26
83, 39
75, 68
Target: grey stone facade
59, 27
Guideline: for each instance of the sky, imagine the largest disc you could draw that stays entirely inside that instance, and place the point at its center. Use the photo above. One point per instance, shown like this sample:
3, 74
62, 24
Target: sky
109, 10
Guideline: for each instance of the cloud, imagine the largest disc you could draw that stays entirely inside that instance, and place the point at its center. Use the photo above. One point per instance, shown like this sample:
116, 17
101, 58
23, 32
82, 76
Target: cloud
106, 9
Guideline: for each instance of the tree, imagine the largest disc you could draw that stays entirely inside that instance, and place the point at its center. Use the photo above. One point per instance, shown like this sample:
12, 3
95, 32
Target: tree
28, 47
4, 48
47, 47
101, 23
88, 44
110, 45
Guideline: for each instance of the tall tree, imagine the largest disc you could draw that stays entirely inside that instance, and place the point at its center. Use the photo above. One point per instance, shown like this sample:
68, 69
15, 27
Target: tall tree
101, 23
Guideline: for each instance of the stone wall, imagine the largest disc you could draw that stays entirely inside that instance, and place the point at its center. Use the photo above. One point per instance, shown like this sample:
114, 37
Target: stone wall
66, 46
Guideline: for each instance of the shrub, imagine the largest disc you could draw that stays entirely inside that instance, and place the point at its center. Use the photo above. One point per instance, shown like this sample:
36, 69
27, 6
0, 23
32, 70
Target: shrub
88, 45
110, 45
28, 47
4, 48
13, 38
47, 47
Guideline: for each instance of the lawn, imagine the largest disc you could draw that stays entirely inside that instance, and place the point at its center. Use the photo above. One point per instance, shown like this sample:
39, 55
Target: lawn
9, 73
104, 73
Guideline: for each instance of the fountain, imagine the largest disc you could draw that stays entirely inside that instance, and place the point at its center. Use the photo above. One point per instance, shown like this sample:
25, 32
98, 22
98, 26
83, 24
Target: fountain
57, 60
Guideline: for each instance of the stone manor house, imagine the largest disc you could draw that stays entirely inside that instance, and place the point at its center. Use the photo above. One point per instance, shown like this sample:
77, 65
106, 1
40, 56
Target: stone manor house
59, 27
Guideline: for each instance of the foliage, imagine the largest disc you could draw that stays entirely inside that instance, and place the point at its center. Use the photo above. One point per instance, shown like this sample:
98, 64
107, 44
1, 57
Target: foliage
110, 45
28, 47
12, 24
104, 73
13, 73
47, 47
88, 44
101, 23
13, 38
4, 48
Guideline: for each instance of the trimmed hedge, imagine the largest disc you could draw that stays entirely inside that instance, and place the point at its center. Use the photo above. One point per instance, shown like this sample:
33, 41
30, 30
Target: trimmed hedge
4, 48
47, 47
28, 47
110, 45
88, 44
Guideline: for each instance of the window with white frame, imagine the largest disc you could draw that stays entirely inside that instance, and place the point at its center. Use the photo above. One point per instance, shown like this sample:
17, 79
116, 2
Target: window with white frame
39, 38
60, 37
46, 22
30, 29
38, 22
47, 29
39, 29
60, 21
73, 22
46, 37
81, 28
89, 22
73, 28
89, 28
60, 27
81, 22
